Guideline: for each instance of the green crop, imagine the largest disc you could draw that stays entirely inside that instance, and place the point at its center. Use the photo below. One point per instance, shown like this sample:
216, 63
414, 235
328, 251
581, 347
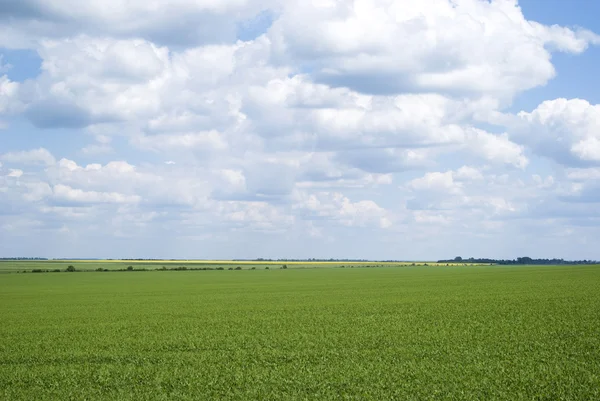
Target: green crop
409, 333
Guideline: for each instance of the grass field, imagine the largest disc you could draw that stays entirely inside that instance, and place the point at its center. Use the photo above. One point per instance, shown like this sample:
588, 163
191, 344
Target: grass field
412, 333
92, 265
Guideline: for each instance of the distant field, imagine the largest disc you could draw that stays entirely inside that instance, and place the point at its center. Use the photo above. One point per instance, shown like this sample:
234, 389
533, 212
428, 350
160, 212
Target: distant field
412, 333
91, 265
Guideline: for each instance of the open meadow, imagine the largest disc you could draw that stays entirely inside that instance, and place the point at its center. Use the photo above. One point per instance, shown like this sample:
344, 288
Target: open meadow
386, 333
15, 266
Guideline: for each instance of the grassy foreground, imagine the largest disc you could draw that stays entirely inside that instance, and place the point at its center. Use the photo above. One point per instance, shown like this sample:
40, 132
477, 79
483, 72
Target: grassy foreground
435, 333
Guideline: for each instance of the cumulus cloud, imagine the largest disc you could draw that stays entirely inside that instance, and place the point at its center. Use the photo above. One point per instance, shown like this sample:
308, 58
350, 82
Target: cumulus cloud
467, 194
336, 207
567, 131
206, 141
15, 173
496, 148
468, 47
8, 95
179, 22
68, 194
35, 156
329, 117
436, 181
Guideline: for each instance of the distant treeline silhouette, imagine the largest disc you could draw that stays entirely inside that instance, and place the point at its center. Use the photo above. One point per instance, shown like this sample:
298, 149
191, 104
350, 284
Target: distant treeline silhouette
520, 261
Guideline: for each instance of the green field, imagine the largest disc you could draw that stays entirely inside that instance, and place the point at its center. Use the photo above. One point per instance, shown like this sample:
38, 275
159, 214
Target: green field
390, 333
92, 265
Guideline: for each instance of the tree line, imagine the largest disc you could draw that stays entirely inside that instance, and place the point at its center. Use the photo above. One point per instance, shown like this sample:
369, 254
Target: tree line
525, 260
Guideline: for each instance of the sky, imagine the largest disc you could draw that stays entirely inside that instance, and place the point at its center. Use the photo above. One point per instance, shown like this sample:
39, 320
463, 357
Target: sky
375, 129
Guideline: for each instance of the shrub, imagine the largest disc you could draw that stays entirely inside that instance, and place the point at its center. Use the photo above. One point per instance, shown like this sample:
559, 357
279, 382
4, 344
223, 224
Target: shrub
99, 269
238, 268
267, 268
220, 268
253, 268
284, 267
129, 268
231, 268
71, 268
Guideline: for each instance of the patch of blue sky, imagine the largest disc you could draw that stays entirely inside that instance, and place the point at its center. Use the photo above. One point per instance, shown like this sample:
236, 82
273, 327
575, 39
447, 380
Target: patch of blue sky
575, 73
252, 28
19, 65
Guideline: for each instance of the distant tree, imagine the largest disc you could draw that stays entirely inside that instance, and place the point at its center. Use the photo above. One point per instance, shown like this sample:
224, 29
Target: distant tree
524, 260
458, 259
71, 268
238, 268
284, 267
129, 268
267, 268
253, 268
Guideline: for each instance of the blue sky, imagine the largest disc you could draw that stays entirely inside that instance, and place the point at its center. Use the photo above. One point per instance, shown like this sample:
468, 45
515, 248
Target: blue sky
354, 129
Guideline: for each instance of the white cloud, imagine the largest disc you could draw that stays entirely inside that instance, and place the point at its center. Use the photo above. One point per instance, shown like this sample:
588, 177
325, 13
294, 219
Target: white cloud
567, 131
297, 135
469, 47
468, 173
96, 149
337, 207
36, 156
467, 195
587, 149
177, 22
203, 141
8, 95
496, 148
584, 174
68, 194
15, 173
437, 182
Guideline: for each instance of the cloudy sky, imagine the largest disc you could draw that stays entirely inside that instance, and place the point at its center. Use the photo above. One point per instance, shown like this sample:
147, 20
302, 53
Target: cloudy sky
382, 129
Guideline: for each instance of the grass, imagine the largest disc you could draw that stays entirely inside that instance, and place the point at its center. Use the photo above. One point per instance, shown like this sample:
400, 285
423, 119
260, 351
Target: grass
413, 333
92, 265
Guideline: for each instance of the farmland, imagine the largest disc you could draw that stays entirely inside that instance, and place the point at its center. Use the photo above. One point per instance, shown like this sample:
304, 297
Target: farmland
422, 333
110, 265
